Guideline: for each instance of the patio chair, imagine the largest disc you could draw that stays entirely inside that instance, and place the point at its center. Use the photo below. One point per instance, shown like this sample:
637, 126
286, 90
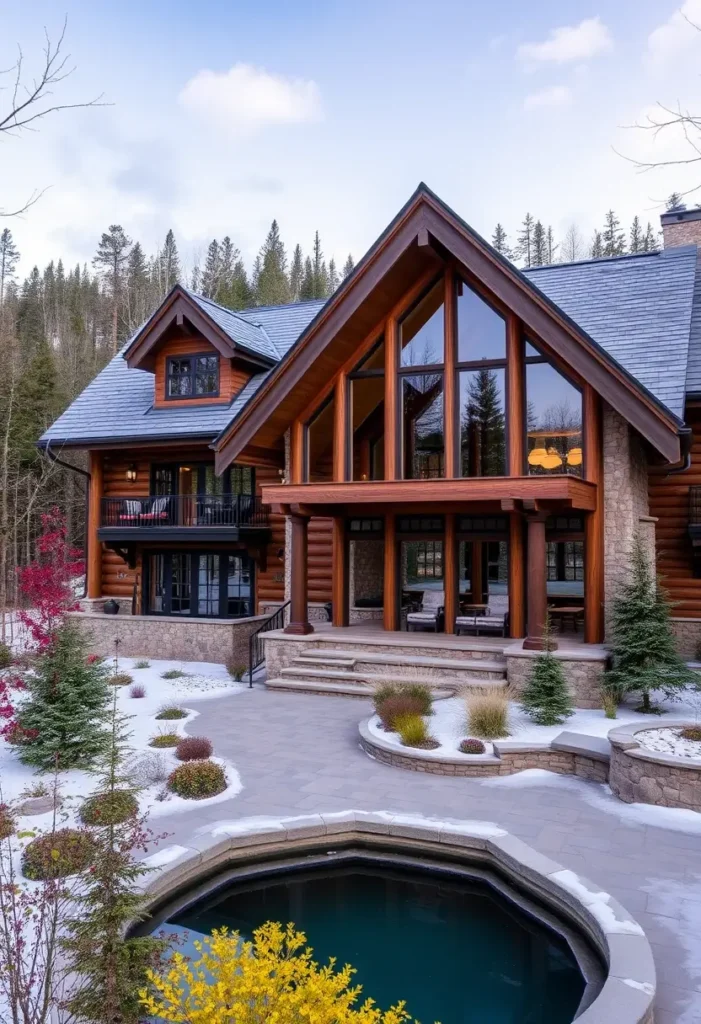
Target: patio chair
482, 623
132, 510
158, 509
430, 614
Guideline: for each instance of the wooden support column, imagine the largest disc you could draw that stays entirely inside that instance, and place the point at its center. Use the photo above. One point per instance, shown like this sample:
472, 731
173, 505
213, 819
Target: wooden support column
299, 613
392, 399
515, 397
593, 522
391, 580
450, 397
450, 572
517, 592
340, 442
339, 582
536, 585
94, 566
297, 452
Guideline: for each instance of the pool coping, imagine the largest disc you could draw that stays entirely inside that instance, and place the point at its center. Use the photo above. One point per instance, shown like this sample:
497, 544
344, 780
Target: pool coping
629, 988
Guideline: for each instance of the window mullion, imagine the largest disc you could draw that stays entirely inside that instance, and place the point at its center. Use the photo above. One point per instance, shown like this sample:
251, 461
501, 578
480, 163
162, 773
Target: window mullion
450, 404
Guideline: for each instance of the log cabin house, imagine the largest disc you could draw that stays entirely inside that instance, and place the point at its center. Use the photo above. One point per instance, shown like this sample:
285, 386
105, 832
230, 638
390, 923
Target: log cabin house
448, 445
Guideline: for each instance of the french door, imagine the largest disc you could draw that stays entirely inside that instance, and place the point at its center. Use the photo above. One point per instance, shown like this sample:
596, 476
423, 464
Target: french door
204, 584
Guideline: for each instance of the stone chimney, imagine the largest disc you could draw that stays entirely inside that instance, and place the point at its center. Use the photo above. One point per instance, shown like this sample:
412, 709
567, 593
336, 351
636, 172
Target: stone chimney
681, 227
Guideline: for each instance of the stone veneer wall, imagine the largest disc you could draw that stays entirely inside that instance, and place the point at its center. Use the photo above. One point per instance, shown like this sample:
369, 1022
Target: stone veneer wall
626, 505
646, 776
366, 569
688, 634
583, 672
153, 636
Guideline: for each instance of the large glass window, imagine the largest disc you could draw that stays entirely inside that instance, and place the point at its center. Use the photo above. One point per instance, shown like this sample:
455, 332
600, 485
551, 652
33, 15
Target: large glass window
481, 330
319, 436
367, 416
239, 587
180, 587
554, 421
421, 330
482, 422
207, 584
423, 436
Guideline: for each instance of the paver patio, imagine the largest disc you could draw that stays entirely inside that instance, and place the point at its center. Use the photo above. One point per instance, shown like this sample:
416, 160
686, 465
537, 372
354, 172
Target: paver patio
299, 754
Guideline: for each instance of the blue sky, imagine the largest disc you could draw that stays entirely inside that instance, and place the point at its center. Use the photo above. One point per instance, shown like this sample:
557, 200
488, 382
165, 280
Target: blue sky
225, 115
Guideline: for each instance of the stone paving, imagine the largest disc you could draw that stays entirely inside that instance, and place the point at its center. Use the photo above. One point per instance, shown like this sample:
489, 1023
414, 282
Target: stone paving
299, 753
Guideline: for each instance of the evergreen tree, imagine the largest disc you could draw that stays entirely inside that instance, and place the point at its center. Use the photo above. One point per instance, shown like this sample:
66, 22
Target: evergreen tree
524, 241
296, 273
212, 270
228, 254
546, 697
500, 242
168, 264
348, 266
636, 235
306, 290
539, 246
550, 243
613, 239
138, 295
31, 322
644, 655
111, 257
333, 276
650, 243
483, 429
597, 246
111, 969
67, 705
675, 202
9, 256
273, 287
240, 294
320, 275
38, 402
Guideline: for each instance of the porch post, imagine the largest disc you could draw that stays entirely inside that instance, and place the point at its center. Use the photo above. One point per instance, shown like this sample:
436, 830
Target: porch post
299, 613
593, 521
450, 572
339, 565
536, 584
391, 595
94, 566
517, 608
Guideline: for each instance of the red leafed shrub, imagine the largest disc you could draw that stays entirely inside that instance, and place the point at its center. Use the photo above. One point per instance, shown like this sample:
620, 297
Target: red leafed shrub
61, 853
197, 780
193, 748
7, 821
472, 746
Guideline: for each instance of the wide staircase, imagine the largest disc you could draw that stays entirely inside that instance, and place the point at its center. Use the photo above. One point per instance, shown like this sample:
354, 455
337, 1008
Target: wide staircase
357, 672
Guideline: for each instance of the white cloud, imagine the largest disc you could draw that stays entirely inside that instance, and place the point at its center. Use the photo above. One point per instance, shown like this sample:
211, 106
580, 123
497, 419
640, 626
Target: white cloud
556, 96
569, 43
245, 98
676, 34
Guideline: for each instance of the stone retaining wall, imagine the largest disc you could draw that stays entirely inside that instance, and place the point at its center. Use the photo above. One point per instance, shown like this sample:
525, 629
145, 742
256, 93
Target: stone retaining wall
583, 672
152, 636
688, 636
649, 777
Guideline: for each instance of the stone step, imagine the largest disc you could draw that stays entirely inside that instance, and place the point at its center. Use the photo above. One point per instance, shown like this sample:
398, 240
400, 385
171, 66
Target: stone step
315, 662
408, 667
314, 686
461, 651
484, 679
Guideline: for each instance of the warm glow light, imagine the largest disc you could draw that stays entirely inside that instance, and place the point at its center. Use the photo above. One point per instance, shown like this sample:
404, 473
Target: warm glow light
574, 457
131, 473
536, 456
552, 460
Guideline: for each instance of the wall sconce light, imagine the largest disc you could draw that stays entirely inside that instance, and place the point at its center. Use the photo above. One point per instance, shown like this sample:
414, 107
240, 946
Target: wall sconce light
131, 473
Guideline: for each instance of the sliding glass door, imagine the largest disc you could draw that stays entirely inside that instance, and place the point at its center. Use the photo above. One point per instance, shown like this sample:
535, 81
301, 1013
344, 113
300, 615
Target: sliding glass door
205, 584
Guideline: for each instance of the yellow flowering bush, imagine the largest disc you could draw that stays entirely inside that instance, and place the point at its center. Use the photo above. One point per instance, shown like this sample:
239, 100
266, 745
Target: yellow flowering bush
271, 980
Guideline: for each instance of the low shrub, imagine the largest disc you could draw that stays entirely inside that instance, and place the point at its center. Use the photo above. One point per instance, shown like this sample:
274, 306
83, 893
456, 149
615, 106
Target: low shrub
193, 748
165, 739
420, 693
488, 715
137, 690
61, 853
142, 664
413, 732
691, 732
108, 808
472, 746
170, 712
5, 655
394, 707
17, 736
34, 790
7, 822
120, 679
236, 670
382, 693
174, 673
149, 769
197, 780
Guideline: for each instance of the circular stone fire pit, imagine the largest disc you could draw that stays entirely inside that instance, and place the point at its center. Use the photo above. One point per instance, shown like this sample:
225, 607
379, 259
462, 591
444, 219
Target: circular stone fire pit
639, 774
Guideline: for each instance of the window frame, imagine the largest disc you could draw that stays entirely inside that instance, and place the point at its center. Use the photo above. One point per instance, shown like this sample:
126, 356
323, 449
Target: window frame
540, 359
191, 376
192, 558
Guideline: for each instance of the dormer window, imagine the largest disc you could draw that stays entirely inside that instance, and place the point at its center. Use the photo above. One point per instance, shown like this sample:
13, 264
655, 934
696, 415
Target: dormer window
193, 376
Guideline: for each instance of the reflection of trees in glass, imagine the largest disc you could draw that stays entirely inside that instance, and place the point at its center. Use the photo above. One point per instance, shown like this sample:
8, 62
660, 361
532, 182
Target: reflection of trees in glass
560, 416
423, 425
483, 434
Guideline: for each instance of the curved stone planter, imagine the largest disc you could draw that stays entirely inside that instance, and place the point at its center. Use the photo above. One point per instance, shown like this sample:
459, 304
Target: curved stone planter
568, 754
638, 775
479, 848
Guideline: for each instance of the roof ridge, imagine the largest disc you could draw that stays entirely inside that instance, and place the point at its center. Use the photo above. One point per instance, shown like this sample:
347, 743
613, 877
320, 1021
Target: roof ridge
283, 305
600, 259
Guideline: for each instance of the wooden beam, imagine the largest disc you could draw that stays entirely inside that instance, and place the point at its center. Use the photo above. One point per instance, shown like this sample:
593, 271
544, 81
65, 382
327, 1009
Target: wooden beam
517, 594
391, 580
594, 521
392, 412
94, 567
515, 397
423, 238
340, 431
297, 452
299, 610
450, 572
508, 505
339, 583
536, 587
450, 397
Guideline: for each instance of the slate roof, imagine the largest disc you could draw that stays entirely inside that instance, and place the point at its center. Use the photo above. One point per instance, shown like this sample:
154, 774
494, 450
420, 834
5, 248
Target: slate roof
643, 310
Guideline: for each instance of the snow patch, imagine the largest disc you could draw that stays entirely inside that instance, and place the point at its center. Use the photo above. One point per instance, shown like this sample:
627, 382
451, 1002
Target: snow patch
597, 903
642, 986
669, 741
261, 823
165, 856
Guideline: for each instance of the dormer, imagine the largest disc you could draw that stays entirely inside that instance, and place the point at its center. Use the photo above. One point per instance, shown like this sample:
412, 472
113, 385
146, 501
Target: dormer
200, 353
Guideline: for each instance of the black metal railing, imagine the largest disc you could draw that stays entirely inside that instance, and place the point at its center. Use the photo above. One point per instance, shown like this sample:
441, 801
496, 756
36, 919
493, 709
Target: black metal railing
695, 505
256, 647
185, 510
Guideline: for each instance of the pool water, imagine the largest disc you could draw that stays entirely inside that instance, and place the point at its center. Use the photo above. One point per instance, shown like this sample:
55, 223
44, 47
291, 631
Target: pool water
455, 950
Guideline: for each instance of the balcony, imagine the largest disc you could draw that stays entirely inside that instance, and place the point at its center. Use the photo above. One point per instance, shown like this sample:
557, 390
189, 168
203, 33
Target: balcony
192, 517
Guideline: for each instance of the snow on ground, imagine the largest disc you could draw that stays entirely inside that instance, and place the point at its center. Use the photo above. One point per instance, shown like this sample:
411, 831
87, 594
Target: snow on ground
448, 725
202, 681
669, 741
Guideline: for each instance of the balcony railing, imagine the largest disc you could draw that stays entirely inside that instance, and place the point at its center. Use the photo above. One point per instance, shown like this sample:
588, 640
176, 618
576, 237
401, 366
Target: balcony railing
184, 510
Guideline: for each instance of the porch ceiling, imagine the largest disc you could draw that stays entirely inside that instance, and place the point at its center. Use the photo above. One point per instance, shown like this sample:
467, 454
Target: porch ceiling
565, 491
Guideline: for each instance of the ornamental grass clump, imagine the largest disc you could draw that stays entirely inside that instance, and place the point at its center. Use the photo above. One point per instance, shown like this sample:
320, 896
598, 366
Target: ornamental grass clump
174, 673
142, 664
193, 748
108, 808
120, 679
170, 712
196, 780
236, 670
274, 977
165, 739
397, 704
58, 854
472, 746
488, 715
691, 732
413, 732
137, 690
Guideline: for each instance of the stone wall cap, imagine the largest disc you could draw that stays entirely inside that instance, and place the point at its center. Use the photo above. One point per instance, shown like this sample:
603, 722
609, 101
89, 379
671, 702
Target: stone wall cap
596, 747
416, 753
587, 652
518, 746
169, 620
625, 738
